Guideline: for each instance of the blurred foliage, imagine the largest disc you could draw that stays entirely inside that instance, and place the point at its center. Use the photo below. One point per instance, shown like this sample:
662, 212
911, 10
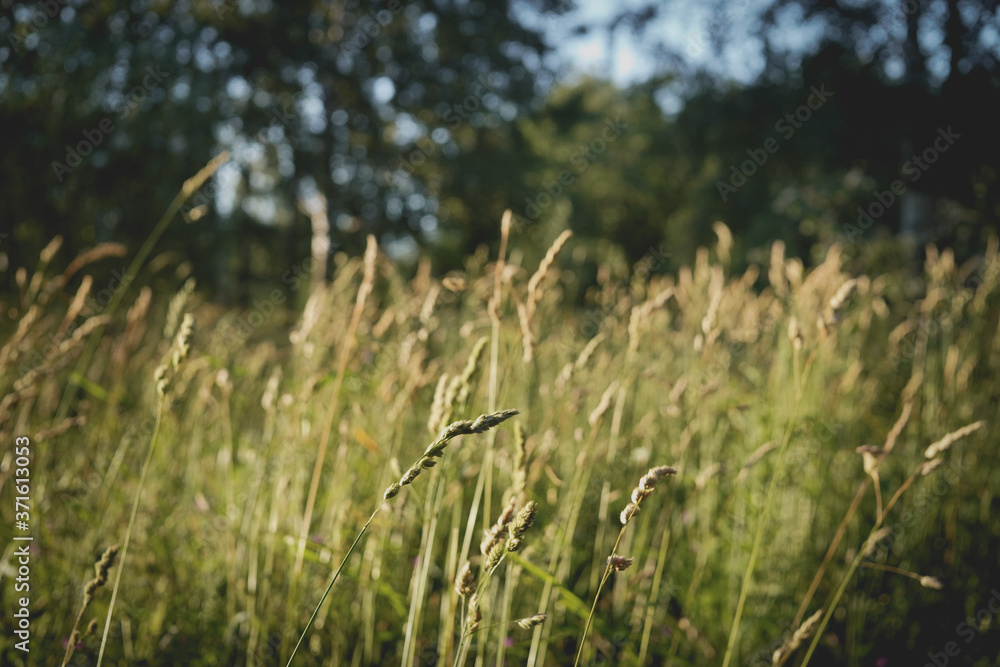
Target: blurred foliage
422, 121
312, 97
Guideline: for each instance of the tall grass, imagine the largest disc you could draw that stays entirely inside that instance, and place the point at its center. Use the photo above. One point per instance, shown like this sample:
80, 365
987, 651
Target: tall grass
785, 537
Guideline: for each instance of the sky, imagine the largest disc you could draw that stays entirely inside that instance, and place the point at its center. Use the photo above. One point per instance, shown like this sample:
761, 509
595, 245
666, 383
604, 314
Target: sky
682, 25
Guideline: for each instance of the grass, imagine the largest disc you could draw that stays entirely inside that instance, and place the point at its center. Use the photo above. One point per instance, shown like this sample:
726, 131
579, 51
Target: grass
784, 537
616, 562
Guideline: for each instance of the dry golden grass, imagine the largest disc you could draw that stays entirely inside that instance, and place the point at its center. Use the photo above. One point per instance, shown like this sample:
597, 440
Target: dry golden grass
765, 389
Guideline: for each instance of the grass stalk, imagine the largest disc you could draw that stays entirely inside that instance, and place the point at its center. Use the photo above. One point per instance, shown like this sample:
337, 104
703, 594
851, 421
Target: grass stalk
890, 443
164, 376
765, 511
484, 482
333, 581
654, 596
615, 562
331, 412
421, 573
560, 561
190, 186
428, 460
923, 469
161, 405
597, 596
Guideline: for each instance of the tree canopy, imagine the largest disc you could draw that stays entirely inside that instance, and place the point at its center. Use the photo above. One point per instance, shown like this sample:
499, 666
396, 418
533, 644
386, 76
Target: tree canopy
421, 122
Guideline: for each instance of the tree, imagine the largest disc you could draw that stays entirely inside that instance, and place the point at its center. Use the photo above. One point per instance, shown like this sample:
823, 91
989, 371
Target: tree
936, 63
108, 110
903, 78
616, 159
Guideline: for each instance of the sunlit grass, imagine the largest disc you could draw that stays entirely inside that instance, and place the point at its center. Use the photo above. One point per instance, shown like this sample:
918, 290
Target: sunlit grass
759, 388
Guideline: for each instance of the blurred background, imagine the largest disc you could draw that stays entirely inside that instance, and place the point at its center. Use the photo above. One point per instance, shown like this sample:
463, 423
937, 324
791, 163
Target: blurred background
634, 123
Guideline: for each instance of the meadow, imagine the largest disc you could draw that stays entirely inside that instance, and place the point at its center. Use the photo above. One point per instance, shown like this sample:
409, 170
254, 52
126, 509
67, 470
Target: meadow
832, 498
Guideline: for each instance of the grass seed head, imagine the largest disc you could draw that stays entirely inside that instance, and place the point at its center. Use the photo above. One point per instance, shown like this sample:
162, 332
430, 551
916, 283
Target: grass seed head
106, 562
531, 621
471, 367
602, 406
164, 374
465, 582
101, 569
494, 535
176, 308
930, 466
436, 449
184, 339
481, 424
521, 524
840, 298
508, 513
494, 555
870, 457
520, 475
872, 542
630, 511
619, 563
650, 478
409, 475
437, 415
490, 539
946, 442
475, 614
795, 333
645, 488
161, 380
803, 633
754, 459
